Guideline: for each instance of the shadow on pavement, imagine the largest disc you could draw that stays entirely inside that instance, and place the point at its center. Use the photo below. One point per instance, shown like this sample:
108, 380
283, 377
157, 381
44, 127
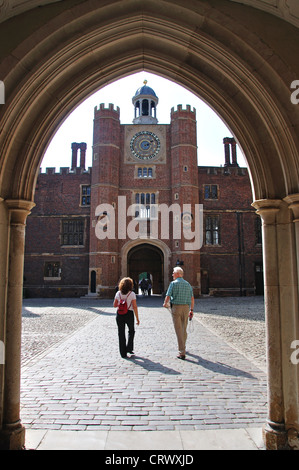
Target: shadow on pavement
218, 367
153, 366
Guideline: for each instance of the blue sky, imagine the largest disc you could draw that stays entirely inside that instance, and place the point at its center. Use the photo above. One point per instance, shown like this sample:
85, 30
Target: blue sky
78, 127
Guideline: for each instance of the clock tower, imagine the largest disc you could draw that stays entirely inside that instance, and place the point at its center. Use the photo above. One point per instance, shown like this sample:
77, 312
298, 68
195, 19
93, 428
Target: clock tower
142, 166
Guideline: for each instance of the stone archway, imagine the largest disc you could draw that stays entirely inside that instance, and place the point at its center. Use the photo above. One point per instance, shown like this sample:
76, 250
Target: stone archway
161, 251
224, 53
147, 258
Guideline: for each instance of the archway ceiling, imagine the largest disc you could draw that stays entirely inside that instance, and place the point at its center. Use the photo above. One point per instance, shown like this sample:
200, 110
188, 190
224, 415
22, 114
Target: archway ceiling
284, 9
246, 80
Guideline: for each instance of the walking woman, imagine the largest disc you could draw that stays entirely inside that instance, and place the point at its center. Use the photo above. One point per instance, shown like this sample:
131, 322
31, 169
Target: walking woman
125, 301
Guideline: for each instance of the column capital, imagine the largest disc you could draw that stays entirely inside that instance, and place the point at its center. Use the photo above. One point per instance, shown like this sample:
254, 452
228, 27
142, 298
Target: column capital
268, 209
293, 202
19, 209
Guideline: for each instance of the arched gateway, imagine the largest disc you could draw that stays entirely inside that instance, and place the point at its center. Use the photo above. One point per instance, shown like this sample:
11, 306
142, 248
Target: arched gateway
147, 259
153, 256
239, 59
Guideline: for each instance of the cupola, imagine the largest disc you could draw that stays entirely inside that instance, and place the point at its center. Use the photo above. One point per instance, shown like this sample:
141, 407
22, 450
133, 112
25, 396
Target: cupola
145, 104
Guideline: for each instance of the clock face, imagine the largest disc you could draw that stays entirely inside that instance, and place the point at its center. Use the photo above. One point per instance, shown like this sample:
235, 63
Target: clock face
145, 145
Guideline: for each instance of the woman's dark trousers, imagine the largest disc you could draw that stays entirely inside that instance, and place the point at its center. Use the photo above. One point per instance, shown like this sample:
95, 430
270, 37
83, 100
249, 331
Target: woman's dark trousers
122, 321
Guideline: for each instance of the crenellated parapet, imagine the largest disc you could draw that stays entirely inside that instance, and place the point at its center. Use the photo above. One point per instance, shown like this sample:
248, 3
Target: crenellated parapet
179, 111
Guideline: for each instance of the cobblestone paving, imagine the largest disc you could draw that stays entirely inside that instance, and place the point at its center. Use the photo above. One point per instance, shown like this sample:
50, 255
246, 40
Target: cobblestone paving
240, 321
48, 321
74, 379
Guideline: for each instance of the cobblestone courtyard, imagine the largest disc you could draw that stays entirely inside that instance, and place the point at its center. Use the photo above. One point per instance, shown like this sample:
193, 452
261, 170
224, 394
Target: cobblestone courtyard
74, 379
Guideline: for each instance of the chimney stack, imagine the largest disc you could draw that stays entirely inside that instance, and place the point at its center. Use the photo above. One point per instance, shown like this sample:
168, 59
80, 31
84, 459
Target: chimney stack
75, 147
230, 151
82, 155
74, 155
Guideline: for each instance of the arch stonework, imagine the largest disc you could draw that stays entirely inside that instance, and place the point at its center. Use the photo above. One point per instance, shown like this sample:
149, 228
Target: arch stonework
157, 243
238, 59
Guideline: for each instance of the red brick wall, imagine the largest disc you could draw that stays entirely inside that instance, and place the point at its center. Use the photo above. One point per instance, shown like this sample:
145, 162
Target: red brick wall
231, 264
225, 268
57, 196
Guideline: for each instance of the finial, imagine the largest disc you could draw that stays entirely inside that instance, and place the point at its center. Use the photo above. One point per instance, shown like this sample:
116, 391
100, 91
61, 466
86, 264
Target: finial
145, 82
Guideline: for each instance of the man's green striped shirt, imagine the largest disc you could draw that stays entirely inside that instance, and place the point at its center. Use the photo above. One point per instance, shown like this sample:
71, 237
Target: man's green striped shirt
180, 292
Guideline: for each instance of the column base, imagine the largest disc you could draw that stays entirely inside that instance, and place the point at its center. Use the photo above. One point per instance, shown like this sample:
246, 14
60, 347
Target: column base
12, 439
293, 439
275, 436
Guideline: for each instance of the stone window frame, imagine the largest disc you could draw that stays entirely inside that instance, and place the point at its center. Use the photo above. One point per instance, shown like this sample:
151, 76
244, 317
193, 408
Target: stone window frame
210, 194
79, 233
146, 198
215, 241
140, 171
82, 195
57, 271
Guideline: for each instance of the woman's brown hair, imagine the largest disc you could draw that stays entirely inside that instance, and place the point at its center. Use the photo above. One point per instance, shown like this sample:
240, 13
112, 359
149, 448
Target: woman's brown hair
125, 285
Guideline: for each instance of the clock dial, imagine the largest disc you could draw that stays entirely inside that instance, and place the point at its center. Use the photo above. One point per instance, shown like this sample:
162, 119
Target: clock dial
145, 145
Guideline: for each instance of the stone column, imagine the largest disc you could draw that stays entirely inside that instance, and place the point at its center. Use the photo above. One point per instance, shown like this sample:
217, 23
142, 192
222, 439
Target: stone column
3, 290
274, 430
12, 434
293, 365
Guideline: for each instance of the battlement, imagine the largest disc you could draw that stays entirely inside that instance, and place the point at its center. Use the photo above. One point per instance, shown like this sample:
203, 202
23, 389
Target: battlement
223, 170
110, 108
65, 171
179, 109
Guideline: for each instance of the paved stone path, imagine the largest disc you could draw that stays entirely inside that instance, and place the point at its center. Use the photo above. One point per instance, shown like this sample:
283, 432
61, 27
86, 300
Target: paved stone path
74, 379
240, 321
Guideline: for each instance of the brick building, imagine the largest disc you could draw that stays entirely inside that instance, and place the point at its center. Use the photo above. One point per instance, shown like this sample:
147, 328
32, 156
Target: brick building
137, 211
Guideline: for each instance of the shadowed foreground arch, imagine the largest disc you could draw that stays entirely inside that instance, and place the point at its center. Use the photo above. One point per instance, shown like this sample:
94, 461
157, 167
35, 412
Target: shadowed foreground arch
240, 60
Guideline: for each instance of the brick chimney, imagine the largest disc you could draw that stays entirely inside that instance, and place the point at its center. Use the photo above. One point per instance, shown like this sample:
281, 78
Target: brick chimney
75, 147
74, 155
82, 155
230, 151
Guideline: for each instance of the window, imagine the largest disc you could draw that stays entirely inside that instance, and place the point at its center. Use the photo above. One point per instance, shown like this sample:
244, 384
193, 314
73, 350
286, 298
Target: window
212, 230
211, 191
145, 172
85, 195
73, 232
145, 205
52, 270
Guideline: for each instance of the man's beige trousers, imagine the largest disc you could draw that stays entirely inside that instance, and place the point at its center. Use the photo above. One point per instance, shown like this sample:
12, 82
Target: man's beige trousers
180, 314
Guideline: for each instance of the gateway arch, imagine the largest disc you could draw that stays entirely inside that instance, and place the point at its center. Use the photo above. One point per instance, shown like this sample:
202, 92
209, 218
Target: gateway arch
238, 56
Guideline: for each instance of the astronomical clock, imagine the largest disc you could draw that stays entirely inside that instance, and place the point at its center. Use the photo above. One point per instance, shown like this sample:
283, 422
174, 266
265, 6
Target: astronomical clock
145, 144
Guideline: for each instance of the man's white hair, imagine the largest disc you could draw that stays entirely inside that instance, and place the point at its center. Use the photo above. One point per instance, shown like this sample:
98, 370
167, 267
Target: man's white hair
178, 270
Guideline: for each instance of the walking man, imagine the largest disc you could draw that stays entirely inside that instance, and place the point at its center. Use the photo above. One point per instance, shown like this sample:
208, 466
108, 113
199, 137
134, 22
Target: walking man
181, 298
